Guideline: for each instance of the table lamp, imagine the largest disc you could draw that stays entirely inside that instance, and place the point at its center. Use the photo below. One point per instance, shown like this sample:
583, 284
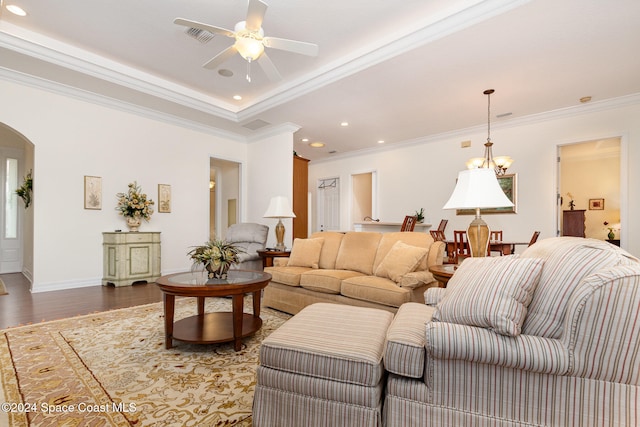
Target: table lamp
477, 189
279, 207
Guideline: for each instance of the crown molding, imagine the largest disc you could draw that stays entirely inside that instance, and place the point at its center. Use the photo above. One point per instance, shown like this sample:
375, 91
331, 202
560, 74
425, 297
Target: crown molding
87, 96
574, 111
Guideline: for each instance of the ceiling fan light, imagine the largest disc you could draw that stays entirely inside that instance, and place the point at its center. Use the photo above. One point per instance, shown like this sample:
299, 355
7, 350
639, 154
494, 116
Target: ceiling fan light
249, 48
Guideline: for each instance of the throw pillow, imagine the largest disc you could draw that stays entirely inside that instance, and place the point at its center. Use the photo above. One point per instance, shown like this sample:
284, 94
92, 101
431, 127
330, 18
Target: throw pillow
305, 253
491, 292
400, 260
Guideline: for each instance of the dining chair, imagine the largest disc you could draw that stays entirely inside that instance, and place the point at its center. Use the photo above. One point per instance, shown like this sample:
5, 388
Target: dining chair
460, 245
534, 238
438, 236
496, 236
409, 223
442, 225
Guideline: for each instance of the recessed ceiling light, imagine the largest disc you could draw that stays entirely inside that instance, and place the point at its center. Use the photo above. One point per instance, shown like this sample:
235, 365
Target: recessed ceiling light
344, 124
585, 99
316, 144
225, 73
305, 140
381, 141
237, 97
16, 10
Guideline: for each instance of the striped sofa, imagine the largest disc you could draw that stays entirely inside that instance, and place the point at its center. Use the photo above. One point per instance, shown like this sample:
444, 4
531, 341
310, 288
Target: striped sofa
549, 338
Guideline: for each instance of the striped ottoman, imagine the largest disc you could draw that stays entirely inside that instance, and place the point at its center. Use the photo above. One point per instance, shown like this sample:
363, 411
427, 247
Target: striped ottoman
323, 367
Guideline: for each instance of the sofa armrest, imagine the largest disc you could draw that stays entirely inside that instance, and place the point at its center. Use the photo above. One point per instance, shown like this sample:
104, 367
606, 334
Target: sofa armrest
432, 296
479, 345
404, 353
435, 256
280, 261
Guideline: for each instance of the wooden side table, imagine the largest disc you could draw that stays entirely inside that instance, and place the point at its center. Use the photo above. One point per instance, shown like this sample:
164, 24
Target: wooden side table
442, 273
268, 255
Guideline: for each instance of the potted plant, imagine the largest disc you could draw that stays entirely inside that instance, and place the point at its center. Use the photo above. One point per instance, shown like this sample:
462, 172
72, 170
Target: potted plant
420, 216
24, 192
134, 206
216, 256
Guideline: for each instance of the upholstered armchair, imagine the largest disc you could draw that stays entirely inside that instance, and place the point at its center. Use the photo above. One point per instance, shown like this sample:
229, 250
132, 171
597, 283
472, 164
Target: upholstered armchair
251, 237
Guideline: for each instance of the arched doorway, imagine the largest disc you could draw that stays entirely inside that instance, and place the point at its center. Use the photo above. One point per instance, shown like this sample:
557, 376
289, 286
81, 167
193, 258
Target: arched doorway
16, 221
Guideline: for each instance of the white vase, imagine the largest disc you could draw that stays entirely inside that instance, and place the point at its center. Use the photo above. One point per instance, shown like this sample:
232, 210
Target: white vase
133, 222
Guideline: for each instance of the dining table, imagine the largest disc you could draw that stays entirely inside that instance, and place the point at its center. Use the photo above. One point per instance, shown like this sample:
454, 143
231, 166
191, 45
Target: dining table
505, 246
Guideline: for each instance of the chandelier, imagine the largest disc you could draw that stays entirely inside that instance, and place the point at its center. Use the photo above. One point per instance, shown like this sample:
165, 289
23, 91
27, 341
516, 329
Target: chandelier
499, 164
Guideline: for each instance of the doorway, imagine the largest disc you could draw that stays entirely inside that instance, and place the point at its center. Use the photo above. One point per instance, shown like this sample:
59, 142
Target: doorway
589, 180
363, 199
224, 196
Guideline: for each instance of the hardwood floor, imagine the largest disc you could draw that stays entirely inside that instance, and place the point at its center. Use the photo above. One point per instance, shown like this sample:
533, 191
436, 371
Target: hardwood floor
21, 307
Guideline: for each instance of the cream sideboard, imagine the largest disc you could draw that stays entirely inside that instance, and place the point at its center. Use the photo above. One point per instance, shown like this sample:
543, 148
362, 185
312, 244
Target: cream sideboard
130, 257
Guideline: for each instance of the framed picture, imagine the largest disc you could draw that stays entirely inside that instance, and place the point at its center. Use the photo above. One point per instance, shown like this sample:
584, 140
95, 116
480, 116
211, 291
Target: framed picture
164, 198
596, 204
92, 192
509, 184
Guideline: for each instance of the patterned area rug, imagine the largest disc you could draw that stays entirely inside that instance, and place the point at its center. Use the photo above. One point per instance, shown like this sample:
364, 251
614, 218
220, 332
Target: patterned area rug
111, 369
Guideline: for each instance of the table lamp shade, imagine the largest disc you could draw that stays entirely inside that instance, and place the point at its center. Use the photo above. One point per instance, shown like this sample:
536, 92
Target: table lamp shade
279, 207
477, 189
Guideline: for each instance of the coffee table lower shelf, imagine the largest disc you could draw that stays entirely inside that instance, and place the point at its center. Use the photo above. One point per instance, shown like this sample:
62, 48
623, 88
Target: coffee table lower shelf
211, 328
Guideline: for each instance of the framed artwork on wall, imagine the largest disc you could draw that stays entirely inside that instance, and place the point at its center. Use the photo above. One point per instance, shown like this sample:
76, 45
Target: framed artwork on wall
509, 184
596, 204
92, 192
164, 198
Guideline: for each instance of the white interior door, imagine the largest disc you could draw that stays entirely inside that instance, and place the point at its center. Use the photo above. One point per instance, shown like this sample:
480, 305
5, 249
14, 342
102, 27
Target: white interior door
11, 212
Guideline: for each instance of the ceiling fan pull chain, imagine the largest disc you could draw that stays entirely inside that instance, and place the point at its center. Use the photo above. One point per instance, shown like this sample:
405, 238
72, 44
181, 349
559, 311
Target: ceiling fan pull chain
249, 70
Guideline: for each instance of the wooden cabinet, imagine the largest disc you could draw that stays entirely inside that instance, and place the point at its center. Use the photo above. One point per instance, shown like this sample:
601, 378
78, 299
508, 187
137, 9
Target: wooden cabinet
300, 195
130, 258
573, 223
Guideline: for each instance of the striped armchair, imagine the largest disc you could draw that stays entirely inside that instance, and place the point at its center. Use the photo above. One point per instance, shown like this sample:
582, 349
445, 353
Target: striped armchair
549, 338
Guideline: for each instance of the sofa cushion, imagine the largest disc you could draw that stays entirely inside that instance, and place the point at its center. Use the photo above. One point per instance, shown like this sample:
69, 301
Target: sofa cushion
413, 238
491, 292
357, 251
305, 253
375, 289
400, 260
330, 247
286, 275
327, 281
567, 261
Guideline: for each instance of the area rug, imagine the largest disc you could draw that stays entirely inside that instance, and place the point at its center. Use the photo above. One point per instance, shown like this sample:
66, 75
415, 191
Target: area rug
3, 288
112, 369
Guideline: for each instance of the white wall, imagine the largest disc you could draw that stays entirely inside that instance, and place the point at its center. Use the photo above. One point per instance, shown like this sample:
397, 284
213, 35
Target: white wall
423, 174
73, 138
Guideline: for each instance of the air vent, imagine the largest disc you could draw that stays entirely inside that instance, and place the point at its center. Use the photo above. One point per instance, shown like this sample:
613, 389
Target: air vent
202, 36
256, 124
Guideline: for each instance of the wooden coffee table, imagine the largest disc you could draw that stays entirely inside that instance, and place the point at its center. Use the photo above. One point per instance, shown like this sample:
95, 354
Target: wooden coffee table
208, 328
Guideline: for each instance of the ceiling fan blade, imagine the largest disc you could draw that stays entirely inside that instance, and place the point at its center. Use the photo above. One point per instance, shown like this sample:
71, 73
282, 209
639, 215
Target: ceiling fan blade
269, 69
255, 14
202, 26
303, 48
220, 58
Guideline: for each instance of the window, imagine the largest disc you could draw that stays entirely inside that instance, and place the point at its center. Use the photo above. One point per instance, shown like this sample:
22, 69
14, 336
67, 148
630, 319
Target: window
11, 200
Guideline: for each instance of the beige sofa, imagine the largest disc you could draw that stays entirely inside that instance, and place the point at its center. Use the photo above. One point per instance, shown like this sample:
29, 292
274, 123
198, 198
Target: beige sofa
379, 270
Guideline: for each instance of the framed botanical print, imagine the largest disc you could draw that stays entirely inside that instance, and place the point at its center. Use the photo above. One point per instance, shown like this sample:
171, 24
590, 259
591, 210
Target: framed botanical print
164, 198
596, 204
509, 184
92, 192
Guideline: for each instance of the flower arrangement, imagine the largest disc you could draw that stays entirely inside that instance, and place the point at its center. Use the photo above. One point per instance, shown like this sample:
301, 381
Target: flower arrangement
572, 204
216, 256
612, 234
134, 203
24, 192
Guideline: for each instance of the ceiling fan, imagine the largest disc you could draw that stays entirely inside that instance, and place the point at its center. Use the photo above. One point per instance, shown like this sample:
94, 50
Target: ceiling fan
250, 41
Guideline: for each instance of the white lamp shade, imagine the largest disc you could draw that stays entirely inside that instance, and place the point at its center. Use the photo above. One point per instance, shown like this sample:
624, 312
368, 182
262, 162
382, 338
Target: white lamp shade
477, 188
279, 207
